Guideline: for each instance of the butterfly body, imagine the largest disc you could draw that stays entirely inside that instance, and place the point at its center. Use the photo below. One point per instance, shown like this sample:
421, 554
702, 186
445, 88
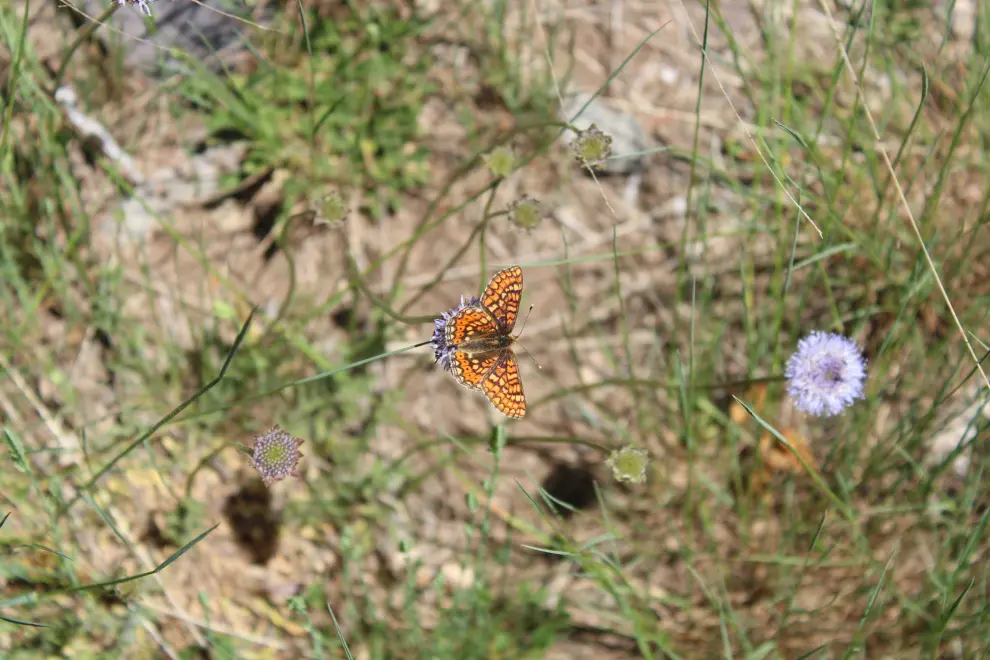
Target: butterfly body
478, 345
480, 339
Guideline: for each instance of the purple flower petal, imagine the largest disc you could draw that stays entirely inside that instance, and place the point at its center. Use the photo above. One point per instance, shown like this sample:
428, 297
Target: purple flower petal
443, 353
826, 374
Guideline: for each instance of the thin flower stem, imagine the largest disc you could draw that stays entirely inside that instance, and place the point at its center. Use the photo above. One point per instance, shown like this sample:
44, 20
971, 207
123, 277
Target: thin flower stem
359, 283
424, 225
164, 420
203, 462
83, 35
749, 133
482, 440
479, 228
302, 381
650, 384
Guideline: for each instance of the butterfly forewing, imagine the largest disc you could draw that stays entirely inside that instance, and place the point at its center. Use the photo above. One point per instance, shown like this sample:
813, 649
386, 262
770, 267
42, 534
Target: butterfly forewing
470, 323
502, 296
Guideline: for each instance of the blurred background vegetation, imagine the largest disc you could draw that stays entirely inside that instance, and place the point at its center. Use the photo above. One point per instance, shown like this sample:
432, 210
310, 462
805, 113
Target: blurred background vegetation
327, 163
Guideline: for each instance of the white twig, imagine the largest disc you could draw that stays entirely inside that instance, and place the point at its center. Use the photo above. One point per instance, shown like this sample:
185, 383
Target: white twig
90, 129
711, 67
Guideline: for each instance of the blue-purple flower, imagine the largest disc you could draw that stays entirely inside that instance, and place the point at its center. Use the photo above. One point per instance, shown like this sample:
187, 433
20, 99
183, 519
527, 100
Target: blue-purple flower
441, 351
826, 373
143, 4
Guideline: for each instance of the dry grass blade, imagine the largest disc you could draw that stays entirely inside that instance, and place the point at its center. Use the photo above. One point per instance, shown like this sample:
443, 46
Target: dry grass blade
897, 185
745, 127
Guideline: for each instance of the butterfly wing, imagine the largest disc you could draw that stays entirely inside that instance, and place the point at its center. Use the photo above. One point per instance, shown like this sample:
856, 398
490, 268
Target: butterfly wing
503, 386
502, 295
470, 370
468, 323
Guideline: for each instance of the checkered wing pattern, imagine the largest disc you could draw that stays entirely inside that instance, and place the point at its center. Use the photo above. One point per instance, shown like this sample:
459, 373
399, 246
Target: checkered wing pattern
502, 296
470, 370
470, 323
503, 386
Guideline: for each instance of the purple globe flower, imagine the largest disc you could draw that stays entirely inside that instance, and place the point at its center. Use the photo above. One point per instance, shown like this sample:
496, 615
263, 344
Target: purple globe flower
441, 351
826, 373
143, 4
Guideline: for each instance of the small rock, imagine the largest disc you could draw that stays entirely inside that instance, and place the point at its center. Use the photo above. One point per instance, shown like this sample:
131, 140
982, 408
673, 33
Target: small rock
167, 188
208, 36
960, 429
962, 21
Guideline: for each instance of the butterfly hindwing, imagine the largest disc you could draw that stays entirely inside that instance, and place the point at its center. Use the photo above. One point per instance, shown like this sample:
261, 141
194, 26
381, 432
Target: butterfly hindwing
503, 386
470, 369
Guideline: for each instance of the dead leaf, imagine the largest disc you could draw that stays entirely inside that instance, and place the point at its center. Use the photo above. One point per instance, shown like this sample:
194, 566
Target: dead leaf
778, 458
754, 397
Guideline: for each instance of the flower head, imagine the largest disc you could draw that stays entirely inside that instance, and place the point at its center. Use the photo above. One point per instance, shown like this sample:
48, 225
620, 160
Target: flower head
501, 161
143, 4
332, 209
441, 351
592, 147
276, 455
826, 373
526, 213
628, 464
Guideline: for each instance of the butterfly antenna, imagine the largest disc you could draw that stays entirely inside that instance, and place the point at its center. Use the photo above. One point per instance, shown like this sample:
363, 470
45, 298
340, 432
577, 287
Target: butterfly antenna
538, 365
524, 321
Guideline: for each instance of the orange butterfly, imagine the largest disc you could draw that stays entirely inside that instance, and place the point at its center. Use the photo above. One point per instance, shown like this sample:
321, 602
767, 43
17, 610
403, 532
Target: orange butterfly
475, 343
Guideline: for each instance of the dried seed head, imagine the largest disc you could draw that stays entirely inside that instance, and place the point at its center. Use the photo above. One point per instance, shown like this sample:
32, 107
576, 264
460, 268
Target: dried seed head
526, 213
276, 455
592, 147
331, 209
628, 464
501, 161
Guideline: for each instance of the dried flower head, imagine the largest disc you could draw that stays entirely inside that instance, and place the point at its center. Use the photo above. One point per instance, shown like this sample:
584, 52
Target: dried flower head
276, 455
332, 209
501, 161
628, 464
526, 213
143, 4
826, 373
441, 351
592, 147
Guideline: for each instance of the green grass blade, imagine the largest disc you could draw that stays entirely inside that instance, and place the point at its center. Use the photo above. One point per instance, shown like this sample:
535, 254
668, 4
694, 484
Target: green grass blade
164, 420
340, 635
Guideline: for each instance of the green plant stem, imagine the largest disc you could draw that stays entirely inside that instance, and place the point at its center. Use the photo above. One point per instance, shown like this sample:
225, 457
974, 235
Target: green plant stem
424, 225
478, 229
202, 463
163, 421
83, 35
